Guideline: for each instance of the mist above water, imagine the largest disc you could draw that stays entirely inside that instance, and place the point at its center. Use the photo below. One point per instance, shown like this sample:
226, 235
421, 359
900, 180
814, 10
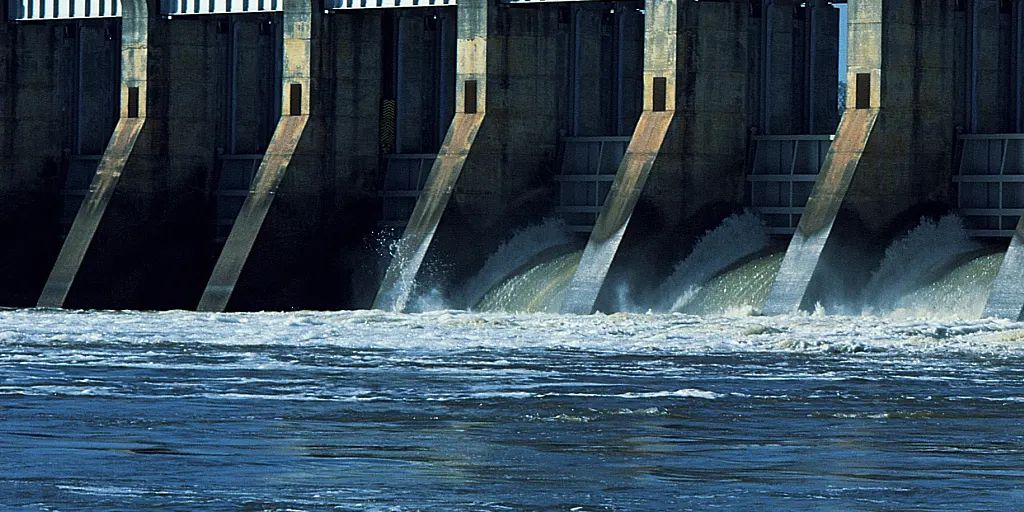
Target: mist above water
738, 237
917, 260
934, 271
518, 251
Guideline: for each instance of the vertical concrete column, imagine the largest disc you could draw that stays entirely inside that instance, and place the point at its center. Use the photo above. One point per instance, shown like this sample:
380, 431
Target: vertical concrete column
475, 24
135, 24
894, 144
296, 143
354, 65
1007, 297
781, 74
823, 74
687, 152
661, 75
13, 198
992, 67
6, 92
799, 61
1017, 23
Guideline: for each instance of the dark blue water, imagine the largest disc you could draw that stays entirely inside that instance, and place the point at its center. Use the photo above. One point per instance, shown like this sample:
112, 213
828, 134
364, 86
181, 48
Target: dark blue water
367, 411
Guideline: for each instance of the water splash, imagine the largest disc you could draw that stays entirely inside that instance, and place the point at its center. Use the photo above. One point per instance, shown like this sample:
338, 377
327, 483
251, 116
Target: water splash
738, 292
738, 237
917, 259
960, 294
540, 289
517, 252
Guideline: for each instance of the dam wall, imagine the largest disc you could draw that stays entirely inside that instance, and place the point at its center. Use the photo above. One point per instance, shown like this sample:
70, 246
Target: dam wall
525, 77
298, 155
58, 106
897, 147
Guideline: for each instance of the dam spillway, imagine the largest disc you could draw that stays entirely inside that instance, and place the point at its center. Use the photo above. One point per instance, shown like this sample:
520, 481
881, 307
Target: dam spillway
247, 156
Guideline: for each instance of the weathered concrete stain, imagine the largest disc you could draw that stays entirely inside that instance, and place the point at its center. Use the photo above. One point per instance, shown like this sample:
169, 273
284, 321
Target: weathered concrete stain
253, 213
411, 249
617, 209
89, 215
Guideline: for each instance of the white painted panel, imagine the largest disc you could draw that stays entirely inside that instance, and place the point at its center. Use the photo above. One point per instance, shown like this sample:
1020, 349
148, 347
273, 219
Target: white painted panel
27, 10
546, 1
385, 4
186, 7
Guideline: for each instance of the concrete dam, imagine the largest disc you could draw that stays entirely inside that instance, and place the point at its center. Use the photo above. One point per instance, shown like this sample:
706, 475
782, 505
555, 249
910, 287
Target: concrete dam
519, 155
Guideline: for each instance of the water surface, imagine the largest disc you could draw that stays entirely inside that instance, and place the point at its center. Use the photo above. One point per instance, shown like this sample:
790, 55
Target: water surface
459, 411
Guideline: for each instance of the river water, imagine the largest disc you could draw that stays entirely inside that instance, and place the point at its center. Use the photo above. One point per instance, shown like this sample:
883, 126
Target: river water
461, 411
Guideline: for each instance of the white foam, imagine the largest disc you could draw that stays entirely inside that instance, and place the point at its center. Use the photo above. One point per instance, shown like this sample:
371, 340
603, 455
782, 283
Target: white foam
738, 237
912, 261
515, 252
456, 331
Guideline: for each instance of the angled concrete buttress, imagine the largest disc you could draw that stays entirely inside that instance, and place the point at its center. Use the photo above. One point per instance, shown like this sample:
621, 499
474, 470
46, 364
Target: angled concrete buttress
140, 237
476, 19
685, 156
894, 145
135, 25
1007, 297
660, 74
292, 141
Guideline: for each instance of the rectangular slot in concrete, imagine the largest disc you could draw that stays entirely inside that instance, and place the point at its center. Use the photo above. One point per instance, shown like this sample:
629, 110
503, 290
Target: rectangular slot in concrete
295, 100
133, 102
658, 103
863, 90
470, 96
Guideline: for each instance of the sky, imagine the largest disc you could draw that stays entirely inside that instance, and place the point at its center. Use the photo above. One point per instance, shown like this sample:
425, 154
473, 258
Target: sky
842, 41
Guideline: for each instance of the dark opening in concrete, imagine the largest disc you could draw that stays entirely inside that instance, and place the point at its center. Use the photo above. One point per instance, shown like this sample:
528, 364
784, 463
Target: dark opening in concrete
471, 96
660, 87
863, 90
133, 102
295, 100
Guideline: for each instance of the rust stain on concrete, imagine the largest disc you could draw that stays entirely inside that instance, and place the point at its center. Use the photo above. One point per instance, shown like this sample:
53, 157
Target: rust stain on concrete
89, 215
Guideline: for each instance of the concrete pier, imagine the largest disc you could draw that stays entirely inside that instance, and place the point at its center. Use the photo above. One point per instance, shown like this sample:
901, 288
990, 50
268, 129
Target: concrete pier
661, 72
58, 88
297, 141
141, 237
476, 20
515, 92
313, 199
894, 146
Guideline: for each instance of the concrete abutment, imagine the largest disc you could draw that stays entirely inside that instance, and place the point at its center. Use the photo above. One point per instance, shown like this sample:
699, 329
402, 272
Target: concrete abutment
208, 95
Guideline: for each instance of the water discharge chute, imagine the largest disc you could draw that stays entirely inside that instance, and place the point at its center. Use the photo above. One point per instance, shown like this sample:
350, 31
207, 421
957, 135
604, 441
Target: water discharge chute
960, 293
740, 291
538, 289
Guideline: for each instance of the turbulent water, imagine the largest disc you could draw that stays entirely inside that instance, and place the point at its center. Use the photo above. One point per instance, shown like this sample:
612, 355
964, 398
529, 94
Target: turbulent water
738, 237
737, 292
540, 289
524, 247
462, 411
913, 260
961, 293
